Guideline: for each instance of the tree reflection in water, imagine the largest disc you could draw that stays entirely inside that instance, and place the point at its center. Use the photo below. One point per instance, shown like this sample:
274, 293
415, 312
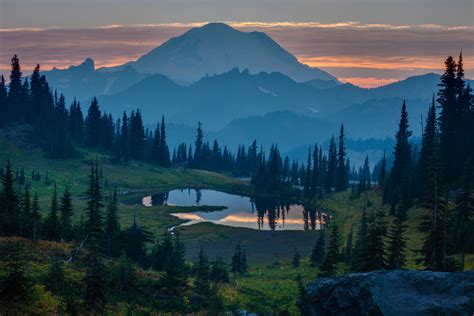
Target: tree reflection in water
276, 209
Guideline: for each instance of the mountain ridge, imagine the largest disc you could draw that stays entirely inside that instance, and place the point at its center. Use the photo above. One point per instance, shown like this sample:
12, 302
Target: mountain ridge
216, 48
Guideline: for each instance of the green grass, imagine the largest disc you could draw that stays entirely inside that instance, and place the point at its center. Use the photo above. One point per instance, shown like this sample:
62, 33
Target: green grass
128, 177
268, 289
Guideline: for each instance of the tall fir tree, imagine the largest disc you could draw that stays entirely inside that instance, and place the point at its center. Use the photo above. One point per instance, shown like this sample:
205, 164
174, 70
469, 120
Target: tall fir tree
198, 147
136, 136
448, 121
93, 124
175, 276
155, 147
329, 265
95, 295
307, 179
358, 257
319, 250
25, 220
94, 208
124, 138
429, 157
396, 258
16, 96
164, 149
202, 281
66, 212
331, 166
341, 174
53, 219
374, 248
3, 100
399, 188
112, 227
10, 212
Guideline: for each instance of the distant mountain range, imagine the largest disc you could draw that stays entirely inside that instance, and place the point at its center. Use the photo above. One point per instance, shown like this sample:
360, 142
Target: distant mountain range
215, 48
208, 50
243, 86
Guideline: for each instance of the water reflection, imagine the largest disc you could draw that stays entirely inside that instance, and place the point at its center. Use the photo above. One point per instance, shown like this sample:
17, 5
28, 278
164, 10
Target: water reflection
264, 213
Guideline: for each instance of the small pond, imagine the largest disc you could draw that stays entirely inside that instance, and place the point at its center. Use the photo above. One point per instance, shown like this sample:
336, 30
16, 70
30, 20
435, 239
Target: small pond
265, 213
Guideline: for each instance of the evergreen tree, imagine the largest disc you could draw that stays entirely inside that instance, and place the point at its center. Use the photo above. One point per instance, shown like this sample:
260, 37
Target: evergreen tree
331, 259
315, 181
10, 210
448, 121
341, 175
76, 122
239, 260
111, 225
35, 217
428, 162
136, 136
124, 280
307, 179
93, 124
244, 262
463, 239
15, 288
202, 281
198, 147
53, 228
66, 212
219, 272
331, 166
364, 176
55, 278
124, 138
156, 149
434, 225
3, 100
374, 250
274, 170
133, 242
358, 260
25, 220
164, 151
318, 252
348, 249
175, 278
16, 95
397, 245
95, 297
94, 208
399, 187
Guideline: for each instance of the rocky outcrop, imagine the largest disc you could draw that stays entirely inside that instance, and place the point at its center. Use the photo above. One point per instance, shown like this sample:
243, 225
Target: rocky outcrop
393, 293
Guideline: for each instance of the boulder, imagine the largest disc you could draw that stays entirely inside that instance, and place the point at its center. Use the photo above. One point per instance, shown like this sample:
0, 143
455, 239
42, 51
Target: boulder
394, 293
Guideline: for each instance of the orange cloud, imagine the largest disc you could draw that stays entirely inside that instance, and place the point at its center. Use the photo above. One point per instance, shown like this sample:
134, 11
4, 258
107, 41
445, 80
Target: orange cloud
365, 82
364, 54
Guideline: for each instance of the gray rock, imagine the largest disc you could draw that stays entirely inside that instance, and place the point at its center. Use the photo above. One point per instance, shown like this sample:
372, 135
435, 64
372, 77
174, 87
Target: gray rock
395, 293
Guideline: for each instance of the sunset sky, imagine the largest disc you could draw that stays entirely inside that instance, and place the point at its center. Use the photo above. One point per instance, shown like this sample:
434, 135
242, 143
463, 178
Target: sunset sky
368, 43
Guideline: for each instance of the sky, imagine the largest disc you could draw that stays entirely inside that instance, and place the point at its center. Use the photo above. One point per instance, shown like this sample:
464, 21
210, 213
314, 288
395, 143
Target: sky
366, 42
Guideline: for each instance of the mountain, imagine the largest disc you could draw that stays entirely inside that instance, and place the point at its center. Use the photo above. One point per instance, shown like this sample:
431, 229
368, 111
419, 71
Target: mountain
84, 81
238, 94
216, 48
275, 128
230, 95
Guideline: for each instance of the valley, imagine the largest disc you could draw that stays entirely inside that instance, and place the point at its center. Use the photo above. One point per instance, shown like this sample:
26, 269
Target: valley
219, 174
